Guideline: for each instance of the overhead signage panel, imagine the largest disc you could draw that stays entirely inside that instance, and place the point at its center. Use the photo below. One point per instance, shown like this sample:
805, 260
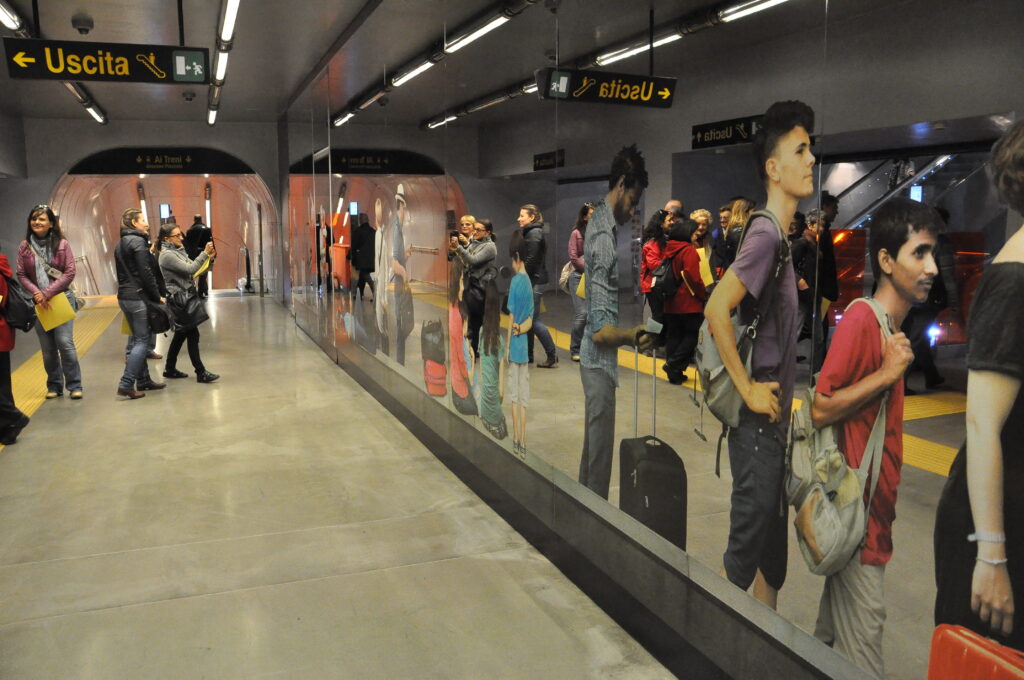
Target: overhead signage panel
606, 88
108, 62
549, 160
160, 161
725, 132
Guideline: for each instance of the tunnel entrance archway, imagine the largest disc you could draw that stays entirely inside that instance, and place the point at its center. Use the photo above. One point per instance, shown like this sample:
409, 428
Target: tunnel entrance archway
91, 196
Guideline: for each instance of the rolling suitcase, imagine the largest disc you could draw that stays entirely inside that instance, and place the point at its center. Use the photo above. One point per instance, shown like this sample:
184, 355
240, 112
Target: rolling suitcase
652, 477
960, 653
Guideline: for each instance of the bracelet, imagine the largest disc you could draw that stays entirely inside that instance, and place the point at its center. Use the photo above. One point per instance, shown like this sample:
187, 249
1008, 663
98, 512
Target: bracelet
987, 537
994, 563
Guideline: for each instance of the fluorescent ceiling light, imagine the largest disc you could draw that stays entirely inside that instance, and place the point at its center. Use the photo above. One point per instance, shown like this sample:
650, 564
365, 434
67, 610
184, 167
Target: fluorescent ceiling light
341, 120
371, 99
221, 67
409, 75
96, 113
626, 52
9, 18
211, 116
208, 209
746, 9
439, 123
497, 99
143, 208
530, 89
227, 28
461, 42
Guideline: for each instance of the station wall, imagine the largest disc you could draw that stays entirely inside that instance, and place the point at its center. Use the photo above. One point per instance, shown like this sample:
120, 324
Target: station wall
902, 63
12, 146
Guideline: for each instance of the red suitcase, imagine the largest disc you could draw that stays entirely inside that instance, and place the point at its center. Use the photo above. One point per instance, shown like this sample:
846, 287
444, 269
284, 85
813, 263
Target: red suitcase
961, 654
434, 378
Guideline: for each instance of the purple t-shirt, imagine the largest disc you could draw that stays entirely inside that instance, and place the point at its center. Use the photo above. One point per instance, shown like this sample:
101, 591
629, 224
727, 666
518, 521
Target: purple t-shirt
774, 355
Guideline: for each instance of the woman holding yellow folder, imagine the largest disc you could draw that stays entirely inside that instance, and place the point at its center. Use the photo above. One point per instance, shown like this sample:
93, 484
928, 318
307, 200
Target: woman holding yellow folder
46, 268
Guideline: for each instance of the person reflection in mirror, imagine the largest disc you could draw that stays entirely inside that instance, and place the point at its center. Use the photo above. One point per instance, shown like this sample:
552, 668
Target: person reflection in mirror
863, 368
520, 308
602, 336
805, 264
363, 255
531, 225
756, 549
828, 274
704, 242
493, 351
477, 255
382, 268
979, 537
579, 305
196, 238
463, 236
460, 361
401, 296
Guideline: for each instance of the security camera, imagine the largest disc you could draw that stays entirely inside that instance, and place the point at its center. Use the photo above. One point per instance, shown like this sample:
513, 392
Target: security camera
82, 23
188, 95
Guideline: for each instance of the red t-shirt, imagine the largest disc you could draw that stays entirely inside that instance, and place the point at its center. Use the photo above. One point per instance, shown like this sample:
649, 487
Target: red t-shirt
856, 353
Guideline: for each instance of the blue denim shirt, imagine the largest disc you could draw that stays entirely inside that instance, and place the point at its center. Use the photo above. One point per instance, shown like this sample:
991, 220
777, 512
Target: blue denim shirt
602, 288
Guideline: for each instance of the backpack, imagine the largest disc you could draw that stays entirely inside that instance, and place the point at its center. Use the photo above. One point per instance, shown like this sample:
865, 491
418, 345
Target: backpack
664, 281
19, 308
828, 495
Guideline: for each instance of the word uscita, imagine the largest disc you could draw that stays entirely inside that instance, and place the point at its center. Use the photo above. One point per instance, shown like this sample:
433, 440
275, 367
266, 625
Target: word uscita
103, 63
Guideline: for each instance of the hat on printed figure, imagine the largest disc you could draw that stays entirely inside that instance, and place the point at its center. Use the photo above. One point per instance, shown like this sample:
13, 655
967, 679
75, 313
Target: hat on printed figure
400, 194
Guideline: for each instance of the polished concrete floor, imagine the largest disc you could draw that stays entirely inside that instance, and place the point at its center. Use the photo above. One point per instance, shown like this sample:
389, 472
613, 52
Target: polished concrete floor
276, 524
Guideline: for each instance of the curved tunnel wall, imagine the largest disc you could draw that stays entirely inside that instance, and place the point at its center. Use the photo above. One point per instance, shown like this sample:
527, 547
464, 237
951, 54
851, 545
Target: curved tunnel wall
90, 208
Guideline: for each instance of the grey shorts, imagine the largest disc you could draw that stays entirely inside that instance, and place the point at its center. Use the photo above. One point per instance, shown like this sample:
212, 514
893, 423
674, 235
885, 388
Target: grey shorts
519, 383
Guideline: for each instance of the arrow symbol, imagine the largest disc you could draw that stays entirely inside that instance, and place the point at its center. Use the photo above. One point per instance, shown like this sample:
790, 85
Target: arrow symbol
23, 61
665, 93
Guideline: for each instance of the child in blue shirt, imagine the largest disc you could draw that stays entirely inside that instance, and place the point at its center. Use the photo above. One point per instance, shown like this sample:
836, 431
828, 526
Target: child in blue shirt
520, 307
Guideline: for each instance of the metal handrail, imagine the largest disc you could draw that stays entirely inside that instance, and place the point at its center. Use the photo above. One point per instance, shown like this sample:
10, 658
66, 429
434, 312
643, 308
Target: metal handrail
863, 179
935, 163
956, 184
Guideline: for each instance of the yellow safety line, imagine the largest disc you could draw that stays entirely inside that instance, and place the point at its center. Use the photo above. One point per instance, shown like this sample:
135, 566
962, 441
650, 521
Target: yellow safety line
936, 404
28, 381
927, 455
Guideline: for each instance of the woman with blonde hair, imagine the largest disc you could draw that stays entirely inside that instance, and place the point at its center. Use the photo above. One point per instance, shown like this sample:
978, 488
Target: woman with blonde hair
741, 209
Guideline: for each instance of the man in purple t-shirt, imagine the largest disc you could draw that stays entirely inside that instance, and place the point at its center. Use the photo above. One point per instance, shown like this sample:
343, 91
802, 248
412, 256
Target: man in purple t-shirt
756, 552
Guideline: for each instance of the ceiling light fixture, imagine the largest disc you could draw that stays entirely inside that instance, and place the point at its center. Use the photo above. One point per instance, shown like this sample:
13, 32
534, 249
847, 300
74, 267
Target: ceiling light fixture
211, 116
96, 112
370, 100
486, 102
9, 18
746, 9
341, 120
531, 88
220, 66
626, 52
461, 41
441, 121
227, 22
403, 78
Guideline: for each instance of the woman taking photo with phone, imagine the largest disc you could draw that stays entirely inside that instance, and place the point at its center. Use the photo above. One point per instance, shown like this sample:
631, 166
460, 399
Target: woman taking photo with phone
46, 268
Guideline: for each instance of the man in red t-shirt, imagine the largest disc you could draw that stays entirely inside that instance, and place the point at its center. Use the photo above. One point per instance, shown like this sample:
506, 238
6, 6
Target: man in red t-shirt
859, 370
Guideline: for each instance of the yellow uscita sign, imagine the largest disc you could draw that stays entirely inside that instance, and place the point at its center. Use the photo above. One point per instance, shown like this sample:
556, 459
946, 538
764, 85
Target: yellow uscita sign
616, 89
101, 63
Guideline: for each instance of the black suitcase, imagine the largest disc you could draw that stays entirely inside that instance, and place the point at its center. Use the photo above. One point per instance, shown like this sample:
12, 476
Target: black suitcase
652, 478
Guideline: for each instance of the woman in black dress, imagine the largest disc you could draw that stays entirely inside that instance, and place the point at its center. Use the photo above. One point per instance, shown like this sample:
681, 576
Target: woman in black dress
979, 528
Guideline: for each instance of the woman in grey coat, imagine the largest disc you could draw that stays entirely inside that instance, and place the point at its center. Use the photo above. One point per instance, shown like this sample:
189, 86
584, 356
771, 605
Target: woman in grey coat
179, 271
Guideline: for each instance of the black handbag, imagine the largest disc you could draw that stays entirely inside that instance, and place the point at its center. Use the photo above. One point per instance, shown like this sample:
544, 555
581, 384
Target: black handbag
187, 309
158, 315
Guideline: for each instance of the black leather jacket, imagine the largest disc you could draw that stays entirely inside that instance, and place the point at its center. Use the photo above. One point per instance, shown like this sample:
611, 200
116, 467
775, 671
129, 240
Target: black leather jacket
536, 248
137, 272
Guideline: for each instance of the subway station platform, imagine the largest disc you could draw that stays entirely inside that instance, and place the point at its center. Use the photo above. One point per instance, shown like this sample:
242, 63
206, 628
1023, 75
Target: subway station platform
276, 524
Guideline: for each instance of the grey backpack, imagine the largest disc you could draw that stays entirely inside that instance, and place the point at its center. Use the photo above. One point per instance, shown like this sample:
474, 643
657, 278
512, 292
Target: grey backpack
828, 495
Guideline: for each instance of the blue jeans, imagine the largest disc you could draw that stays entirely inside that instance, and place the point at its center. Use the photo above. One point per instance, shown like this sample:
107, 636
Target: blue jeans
579, 314
539, 329
135, 369
60, 358
598, 430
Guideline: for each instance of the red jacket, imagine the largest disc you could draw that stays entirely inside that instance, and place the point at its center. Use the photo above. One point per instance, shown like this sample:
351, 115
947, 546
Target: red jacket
653, 253
686, 267
6, 332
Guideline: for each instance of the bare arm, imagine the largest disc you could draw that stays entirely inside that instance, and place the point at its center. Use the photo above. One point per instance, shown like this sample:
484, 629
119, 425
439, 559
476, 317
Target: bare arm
848, 401
990, 397
727, 295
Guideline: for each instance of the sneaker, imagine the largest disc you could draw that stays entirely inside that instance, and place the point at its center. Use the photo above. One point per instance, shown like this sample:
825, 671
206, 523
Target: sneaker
206, 377
76, 394
9, 434
575, 357
175, 373
52, 395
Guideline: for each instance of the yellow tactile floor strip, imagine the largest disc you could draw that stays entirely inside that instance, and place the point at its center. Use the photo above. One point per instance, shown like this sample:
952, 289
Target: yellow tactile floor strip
935, 404
927, 455
28, 381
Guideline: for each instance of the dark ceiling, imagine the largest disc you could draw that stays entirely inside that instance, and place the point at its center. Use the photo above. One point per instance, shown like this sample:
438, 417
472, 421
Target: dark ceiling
278, 45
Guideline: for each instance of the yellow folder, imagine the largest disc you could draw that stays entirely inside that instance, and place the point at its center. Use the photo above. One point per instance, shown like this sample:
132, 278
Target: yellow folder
59, 312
